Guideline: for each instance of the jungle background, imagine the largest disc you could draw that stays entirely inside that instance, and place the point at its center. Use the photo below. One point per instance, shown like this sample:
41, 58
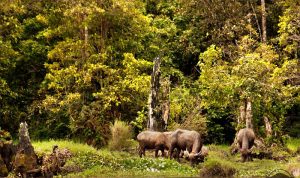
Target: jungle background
71, 69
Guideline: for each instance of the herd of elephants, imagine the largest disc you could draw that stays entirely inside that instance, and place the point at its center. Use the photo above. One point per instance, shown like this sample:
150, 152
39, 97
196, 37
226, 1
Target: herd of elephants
179, 141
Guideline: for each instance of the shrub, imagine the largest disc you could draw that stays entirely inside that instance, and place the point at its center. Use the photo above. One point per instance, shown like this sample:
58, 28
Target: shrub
215, 168
121, 135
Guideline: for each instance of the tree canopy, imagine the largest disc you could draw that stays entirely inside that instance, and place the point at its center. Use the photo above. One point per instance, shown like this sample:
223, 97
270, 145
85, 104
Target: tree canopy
72, 68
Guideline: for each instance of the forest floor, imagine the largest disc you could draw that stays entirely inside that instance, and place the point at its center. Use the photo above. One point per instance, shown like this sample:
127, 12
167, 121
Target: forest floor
90, 162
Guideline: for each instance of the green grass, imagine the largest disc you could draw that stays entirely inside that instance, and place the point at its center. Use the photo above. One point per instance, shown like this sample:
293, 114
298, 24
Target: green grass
293, 144
93, 163
46, 146
220, 154
90, 162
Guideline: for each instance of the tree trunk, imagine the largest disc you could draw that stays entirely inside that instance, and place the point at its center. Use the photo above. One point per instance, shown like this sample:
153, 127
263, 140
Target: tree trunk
155, 121
256, 20
245, 118
166, 104
268, 126
242, 117
263, 21
249, 114
86, 37
25, 158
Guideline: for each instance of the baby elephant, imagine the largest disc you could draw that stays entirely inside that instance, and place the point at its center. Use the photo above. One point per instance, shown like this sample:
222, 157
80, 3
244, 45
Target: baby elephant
245, 139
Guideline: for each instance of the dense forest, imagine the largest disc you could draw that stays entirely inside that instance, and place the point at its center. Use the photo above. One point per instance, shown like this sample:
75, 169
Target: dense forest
70, 69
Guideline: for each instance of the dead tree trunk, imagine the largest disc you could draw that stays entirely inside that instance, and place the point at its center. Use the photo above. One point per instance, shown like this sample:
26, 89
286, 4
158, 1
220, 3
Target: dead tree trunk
256, 20
249, 114
245, 115
166, 102
25, 159
263, 21
155, 121
86, 37
242, 115
268, 126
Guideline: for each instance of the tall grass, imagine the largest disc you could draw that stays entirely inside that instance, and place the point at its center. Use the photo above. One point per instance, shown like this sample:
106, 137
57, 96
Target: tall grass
121, 135
293, 144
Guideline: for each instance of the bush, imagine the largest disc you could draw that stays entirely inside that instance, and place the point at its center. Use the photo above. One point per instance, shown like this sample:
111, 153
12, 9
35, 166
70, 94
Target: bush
121, 135
215, 168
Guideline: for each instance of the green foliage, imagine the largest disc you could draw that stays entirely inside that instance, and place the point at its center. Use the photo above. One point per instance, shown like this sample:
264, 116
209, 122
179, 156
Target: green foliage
88, 93
185, 111
121, 135
215, 80
289, 28
140, 121
70, 68
256, 74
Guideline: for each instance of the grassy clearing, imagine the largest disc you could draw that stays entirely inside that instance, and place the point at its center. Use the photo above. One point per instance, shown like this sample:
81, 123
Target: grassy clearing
90, 162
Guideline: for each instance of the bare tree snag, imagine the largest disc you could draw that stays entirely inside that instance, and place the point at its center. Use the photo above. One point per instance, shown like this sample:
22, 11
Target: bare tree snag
256, 20
166, 102
264, 21
155, 121
268, 126
249, 114
86, 37
25, 159
242, 116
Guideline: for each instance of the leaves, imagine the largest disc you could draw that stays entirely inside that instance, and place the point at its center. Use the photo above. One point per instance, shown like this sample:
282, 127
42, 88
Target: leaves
251, 75
79, 65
